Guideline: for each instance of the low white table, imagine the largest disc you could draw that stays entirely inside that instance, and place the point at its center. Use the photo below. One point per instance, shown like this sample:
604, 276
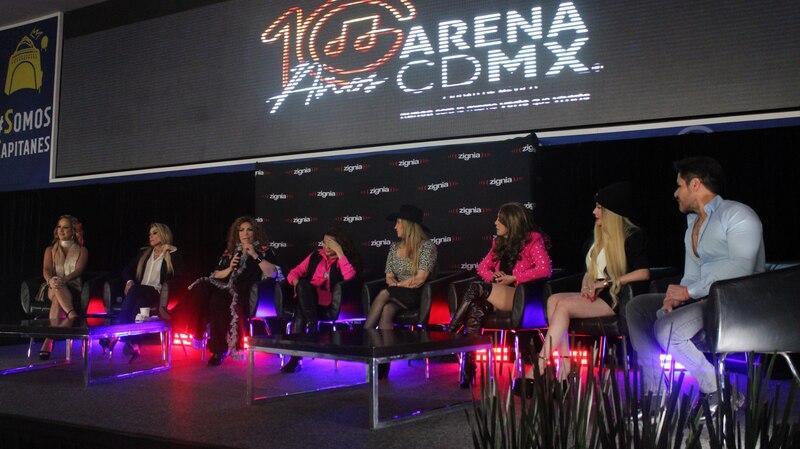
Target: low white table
88, 330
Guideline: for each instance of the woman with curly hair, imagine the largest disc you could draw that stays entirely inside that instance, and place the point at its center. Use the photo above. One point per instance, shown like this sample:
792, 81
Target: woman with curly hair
64, 262
617, 256
221, 297
518, 255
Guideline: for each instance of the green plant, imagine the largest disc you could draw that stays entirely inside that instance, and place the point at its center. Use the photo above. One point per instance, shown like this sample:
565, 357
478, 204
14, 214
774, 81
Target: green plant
601, 411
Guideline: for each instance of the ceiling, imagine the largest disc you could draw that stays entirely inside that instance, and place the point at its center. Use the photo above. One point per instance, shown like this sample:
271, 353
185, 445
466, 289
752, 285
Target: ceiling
16, 11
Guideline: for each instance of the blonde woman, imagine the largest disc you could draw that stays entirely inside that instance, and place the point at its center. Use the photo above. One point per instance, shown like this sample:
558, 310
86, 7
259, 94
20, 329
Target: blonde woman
154, 265
410, 261
64, 262
618, 256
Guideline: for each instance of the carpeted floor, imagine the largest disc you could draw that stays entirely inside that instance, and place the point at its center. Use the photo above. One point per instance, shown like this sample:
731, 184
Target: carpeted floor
193, 405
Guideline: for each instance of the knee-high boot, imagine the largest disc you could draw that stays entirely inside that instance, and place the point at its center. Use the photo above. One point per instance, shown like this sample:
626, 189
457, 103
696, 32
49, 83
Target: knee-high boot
472, 326
474, 292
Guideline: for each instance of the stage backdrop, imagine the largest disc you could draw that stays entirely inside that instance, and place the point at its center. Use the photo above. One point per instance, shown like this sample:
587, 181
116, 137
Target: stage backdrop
29, 55
459, 187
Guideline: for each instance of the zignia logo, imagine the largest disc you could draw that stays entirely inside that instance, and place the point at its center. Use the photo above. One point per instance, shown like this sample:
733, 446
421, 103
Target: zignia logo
326, 194
377, 243
445, 239
262, 220
529, 148
438, 185
352, 168
277, 196
487, 238
302, 171
530, 205
262, 173
405, 163
353, 218
277, 245
379, 190
301, 220
497, 182
466, 157
470, 210
466, 266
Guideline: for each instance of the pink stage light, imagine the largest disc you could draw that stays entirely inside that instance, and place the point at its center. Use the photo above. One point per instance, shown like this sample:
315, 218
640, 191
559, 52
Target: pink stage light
501, 355
578, 356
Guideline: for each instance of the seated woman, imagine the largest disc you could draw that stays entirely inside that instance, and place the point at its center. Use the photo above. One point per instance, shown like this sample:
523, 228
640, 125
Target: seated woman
617, 256
64, 262
518, 255
143, 276
222, 298
410, 261
314, 278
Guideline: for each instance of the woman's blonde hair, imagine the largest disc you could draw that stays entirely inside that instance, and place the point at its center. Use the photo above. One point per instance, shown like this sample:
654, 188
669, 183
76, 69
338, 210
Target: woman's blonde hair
166, 239
611, 236
77, 229
412, 238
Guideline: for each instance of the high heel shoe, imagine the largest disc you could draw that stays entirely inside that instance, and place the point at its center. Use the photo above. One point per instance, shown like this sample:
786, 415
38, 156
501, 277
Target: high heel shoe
44, 354
107, 344
70, 316
134, 353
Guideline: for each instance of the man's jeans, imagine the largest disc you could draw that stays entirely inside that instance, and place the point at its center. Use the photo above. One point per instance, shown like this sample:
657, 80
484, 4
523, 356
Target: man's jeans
653, 331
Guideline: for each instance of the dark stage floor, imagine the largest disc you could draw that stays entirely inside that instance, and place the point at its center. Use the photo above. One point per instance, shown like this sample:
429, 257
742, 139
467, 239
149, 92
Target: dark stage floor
192, 405
195, 403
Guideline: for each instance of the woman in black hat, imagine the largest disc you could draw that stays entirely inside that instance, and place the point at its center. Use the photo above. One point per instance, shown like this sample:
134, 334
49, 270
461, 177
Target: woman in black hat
617, 256
411, 259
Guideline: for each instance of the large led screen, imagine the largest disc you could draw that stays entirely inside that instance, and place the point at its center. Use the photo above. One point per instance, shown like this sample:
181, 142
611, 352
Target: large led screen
252, 78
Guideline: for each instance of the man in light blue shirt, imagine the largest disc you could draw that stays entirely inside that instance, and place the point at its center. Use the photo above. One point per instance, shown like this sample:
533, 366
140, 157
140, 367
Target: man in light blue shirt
723, 240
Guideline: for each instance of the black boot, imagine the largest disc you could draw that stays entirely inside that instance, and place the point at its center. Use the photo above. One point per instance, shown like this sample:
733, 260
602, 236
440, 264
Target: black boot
476, 291
480, 307
292, 366
468, 374
383, 370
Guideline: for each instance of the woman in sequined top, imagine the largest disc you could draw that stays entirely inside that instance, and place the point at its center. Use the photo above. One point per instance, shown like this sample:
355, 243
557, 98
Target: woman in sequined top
518, 255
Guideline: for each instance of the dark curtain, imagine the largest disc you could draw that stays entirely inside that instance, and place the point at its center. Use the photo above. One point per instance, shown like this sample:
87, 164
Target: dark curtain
115, 219
761, 167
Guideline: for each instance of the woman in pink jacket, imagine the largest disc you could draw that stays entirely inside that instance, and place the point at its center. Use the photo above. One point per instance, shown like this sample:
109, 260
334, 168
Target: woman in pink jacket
518, 255
314, 278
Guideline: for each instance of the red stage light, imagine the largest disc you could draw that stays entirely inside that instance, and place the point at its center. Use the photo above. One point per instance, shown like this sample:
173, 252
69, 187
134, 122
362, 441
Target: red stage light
581, 357
501, 354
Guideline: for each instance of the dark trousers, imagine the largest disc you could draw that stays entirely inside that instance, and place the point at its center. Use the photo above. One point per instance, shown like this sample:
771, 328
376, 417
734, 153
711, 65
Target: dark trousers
308, 311
206, 303
138, 296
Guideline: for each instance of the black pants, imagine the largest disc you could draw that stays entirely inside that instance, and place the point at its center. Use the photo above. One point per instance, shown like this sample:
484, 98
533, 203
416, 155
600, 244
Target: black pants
308, 311
204, 304
138, 296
